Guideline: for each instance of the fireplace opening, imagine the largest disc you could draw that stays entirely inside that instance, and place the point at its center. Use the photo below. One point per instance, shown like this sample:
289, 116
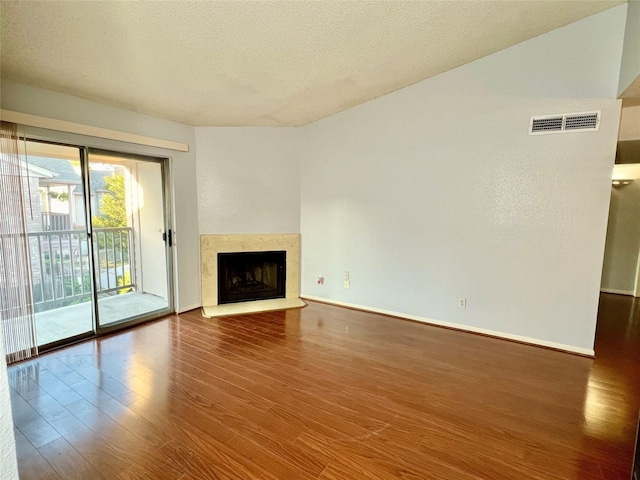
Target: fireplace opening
247, 276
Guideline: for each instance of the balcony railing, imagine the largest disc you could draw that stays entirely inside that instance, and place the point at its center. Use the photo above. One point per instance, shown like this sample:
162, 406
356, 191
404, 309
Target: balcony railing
60, 267
56, 221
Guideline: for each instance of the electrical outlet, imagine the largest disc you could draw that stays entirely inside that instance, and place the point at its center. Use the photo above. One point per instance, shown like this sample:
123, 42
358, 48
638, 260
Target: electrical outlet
347, 282
462, 303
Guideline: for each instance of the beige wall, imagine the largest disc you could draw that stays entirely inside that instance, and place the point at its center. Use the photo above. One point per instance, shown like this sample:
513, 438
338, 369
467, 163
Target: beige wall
629, 124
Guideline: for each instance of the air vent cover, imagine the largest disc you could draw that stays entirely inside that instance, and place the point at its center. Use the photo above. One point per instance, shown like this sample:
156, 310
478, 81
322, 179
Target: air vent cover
564, 122
588, 121
546, 124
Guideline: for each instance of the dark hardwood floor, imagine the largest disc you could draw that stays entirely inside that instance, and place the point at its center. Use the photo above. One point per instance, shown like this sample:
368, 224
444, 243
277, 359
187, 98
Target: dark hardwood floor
329, 393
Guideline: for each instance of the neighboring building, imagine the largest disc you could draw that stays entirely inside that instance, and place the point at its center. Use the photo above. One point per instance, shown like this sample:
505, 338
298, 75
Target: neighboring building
54, 195
57, 212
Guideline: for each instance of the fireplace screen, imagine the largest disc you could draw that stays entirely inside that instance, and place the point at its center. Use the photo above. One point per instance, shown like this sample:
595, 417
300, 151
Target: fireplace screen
246, 276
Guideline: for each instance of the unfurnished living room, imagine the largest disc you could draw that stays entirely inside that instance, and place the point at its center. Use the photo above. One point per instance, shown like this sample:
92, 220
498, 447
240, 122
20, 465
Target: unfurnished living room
320, 239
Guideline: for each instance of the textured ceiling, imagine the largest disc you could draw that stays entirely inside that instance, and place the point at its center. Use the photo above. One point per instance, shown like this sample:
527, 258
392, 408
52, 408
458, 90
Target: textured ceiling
258, 63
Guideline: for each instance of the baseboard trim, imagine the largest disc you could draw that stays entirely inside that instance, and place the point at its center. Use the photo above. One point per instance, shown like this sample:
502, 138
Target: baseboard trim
457, 326
188, 308
617, 292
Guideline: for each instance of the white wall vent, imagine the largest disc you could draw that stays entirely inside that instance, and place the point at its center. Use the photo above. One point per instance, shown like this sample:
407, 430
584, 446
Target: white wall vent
564, 122
546, 124
582, 121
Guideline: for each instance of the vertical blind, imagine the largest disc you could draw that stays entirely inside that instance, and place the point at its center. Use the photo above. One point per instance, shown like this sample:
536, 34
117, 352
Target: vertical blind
16, 302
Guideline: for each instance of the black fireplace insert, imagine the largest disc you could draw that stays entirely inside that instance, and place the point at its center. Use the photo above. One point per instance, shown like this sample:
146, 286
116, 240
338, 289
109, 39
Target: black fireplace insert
246, 276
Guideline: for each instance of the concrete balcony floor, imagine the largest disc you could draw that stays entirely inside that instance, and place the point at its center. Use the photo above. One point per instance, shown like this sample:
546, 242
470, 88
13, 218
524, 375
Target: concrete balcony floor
57, 324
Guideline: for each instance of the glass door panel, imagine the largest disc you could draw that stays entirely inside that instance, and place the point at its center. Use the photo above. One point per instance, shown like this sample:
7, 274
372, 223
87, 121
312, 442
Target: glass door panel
58, 242
128, 226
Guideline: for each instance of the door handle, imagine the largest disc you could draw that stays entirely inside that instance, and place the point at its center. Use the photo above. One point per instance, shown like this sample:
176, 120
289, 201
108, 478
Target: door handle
168, 237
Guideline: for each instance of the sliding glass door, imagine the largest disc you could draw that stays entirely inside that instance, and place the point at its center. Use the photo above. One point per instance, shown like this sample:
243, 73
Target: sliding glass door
98, 240
130, 237
60, 263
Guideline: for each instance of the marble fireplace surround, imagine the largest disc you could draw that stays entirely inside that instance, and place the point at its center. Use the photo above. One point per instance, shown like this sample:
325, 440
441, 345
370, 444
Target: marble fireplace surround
211, 245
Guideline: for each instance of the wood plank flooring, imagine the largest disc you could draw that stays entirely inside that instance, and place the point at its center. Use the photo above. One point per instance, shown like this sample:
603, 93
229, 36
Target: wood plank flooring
328, 393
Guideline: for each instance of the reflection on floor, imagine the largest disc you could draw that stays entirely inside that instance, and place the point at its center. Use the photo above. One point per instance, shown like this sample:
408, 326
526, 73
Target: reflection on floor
613, 392
65, 322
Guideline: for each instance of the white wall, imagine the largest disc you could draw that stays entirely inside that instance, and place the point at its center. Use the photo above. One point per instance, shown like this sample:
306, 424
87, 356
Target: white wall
581, 60
248, 180
8, 462
623, 233
46, 103
630, 68
436, 192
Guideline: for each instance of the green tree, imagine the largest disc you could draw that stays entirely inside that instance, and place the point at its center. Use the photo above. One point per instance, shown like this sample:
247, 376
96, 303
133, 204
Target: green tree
113, 207
112, 213
63, 197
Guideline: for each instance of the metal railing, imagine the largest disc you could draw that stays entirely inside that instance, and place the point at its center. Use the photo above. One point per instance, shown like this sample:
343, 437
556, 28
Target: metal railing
60, 267
112, 248
56, 221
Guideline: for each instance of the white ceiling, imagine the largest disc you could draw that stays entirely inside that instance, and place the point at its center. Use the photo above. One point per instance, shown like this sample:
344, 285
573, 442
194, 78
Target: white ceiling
263, 62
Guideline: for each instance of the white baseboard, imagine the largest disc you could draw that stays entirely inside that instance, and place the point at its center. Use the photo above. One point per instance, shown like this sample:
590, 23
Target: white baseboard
188, 307
458, 326
618, 292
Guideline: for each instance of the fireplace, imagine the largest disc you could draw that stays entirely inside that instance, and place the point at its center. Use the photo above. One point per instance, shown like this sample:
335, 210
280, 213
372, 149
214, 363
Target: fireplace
213, 244
247, 276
